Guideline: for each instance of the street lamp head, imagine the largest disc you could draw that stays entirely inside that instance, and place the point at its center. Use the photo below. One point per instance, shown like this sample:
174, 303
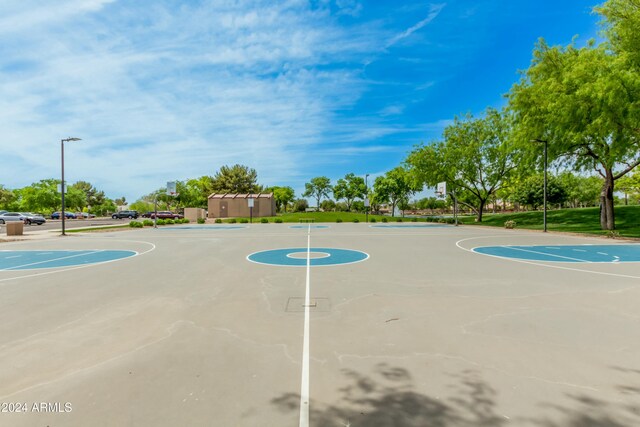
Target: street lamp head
71, 139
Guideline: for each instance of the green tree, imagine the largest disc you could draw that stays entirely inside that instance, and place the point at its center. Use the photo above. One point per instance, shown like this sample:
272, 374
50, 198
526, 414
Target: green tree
530, 191
282, 196
328, 205
7, 197
235, 179
621, 20
93, 197
107, 207
300, 205
75, 199
318, 188
629, 185
476, 158
41, 196
581, 190
350, 188
395, 186
584, 103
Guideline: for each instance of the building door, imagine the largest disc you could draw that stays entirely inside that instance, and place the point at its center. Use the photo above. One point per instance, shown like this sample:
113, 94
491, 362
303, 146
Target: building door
224, 209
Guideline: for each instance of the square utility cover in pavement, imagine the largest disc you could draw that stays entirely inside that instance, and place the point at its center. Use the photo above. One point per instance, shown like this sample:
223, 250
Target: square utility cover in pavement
296, 304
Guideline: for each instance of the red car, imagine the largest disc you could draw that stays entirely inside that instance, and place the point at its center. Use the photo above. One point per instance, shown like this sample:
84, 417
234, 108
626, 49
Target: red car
165, 215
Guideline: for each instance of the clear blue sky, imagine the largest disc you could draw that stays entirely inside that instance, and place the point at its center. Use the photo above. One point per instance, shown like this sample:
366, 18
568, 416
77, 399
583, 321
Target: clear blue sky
163, 90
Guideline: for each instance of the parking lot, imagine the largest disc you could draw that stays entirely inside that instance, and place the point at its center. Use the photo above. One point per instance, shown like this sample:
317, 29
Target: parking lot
339, 325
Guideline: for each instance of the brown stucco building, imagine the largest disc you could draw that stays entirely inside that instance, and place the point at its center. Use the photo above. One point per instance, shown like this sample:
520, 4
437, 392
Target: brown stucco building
234, 205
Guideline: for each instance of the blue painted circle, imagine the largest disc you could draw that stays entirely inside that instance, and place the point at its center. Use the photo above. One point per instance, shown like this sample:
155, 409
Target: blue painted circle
308, 226
566, 253
280, 257
32, 260
205, 227
411, 226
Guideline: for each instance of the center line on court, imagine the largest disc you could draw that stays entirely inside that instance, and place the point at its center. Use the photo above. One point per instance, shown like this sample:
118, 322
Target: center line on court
304, 388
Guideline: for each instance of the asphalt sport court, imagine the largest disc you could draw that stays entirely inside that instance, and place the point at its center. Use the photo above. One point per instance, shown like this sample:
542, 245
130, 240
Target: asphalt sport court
425, 331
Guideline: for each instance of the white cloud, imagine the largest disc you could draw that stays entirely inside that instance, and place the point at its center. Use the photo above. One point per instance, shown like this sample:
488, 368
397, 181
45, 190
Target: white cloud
434, 11
173, 90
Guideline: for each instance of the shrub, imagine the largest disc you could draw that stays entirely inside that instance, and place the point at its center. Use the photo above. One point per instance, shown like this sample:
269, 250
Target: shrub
300, 205
414, 219
218, 221
356, 220
169, 221
135, 224
147, 223
232, 221
185, 221
399, 220
384, 219
372, 220
338, 220
201, 220
264, 221
510, 224
243, 221
161, 221
612, 234
278, 221
442, 220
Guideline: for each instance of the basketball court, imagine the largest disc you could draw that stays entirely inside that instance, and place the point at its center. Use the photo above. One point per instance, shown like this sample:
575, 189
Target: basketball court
320, 325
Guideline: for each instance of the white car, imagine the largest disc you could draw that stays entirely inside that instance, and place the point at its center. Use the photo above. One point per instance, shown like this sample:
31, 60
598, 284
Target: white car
33, 218
12, 216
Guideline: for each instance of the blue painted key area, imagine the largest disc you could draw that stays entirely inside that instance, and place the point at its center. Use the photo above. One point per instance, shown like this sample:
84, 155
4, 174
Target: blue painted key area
566, 253
296, 257
31, 260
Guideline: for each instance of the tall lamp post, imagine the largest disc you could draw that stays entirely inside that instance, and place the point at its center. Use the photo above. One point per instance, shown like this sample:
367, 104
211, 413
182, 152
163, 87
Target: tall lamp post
62, 186
367, 202
544, 194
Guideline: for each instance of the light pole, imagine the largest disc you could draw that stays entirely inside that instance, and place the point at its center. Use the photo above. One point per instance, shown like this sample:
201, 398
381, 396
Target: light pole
62, 186
367, 202
544, 194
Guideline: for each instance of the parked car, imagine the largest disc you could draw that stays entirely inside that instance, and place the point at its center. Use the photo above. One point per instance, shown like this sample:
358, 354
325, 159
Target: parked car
68, 215
165, 215
12, 216
84, 215
147, 214
125, 214
33, 218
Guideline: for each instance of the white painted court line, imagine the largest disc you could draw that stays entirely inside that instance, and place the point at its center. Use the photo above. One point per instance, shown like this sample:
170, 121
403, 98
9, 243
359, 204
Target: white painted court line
522, 261
8, 280
546, 254
50, 260
304, 387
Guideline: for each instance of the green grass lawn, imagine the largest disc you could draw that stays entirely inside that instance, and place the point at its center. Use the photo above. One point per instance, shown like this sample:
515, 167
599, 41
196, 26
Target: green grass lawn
584, 220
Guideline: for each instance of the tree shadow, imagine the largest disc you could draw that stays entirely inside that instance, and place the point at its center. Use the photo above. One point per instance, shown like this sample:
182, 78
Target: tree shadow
387, 398
589, 411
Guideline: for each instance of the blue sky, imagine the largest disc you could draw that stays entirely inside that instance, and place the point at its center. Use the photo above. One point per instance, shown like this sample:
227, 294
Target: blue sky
169, 90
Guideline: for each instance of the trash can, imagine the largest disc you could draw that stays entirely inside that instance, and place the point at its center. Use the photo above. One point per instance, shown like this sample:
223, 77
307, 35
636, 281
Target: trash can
15, 228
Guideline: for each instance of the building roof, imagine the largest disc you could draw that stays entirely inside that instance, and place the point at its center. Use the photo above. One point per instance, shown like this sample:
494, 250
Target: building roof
240, 196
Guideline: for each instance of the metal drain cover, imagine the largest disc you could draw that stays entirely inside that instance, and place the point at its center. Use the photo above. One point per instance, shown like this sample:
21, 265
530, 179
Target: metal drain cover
296, 304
